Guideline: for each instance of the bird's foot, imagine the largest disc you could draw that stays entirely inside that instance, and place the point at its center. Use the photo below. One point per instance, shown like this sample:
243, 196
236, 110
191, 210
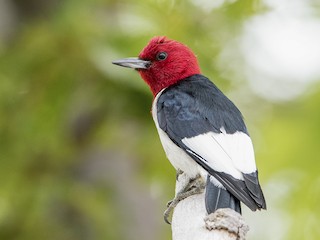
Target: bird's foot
179, 172
194, 186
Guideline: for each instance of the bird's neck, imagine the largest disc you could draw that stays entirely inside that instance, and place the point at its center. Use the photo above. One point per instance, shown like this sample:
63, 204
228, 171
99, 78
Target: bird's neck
160, 82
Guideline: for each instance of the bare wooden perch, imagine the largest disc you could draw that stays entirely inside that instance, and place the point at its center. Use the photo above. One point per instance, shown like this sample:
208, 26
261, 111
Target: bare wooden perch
190, 220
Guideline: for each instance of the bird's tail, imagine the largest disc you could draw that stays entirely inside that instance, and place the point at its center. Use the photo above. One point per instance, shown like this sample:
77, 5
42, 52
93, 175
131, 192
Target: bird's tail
218, 197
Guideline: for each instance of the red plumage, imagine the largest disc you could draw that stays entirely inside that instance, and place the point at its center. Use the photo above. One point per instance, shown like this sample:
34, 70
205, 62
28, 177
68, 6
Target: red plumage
180, 63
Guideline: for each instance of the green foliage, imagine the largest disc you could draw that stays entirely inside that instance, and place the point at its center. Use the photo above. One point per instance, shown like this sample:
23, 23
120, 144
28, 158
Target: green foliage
80, 157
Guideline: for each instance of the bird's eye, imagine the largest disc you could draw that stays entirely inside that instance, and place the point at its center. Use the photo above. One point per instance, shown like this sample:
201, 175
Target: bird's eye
162, 56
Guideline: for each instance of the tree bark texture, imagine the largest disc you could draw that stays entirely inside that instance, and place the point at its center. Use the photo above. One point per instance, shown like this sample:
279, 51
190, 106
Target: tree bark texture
190, 221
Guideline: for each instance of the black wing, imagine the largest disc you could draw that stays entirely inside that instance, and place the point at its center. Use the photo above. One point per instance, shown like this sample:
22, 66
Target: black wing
194, 107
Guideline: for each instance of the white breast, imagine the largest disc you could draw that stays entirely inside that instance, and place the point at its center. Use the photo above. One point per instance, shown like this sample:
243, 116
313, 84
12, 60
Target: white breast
177, 157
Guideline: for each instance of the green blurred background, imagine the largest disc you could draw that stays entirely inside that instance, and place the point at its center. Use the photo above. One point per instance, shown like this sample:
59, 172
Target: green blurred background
79, 154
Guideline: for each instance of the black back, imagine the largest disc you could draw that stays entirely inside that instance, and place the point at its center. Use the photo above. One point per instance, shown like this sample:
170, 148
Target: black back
196, 106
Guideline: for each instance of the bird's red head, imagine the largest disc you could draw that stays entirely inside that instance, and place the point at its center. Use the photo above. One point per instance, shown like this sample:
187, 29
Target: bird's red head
163, 62
170, 60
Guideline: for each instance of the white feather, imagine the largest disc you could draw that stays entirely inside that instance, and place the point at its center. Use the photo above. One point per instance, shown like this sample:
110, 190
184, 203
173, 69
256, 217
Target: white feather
228, 153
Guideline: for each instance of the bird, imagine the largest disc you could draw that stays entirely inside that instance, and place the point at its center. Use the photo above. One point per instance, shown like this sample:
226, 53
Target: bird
201, 130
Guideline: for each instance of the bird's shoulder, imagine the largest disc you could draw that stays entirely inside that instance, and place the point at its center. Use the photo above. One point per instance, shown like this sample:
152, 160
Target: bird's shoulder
196, 103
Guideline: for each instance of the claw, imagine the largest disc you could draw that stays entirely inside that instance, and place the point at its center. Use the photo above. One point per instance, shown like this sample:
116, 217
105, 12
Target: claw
166, 215
170, 206
194, 186
179, 172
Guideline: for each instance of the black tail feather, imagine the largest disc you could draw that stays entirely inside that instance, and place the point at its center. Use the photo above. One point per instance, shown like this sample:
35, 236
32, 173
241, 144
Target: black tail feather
252, 183
236, 187
217, 197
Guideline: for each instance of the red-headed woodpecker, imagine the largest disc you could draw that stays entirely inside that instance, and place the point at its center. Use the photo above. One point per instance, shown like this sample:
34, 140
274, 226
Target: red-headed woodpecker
201, 130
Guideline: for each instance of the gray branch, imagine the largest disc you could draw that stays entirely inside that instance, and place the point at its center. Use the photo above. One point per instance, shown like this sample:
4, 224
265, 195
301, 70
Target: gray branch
190, 221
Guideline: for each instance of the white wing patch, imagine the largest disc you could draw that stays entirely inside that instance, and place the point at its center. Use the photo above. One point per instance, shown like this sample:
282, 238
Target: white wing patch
229, 153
